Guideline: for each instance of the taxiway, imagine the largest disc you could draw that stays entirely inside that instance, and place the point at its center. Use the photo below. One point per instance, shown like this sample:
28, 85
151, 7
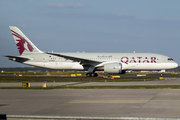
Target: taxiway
95, 102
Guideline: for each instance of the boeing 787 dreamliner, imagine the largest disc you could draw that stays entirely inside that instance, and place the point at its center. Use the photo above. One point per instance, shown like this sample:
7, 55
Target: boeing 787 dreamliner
117, 63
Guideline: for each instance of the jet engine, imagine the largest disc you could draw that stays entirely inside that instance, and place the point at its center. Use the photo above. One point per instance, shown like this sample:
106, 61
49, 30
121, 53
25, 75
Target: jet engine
114, 68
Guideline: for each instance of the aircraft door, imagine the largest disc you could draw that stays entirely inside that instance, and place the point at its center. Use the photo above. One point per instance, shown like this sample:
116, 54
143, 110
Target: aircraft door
44, 59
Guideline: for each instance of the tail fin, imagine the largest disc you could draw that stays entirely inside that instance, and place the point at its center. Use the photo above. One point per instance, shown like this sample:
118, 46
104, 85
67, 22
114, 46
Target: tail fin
23, 44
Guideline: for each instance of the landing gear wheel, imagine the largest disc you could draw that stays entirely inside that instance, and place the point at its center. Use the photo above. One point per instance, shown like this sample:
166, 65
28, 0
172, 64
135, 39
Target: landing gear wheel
91, 74
95, 74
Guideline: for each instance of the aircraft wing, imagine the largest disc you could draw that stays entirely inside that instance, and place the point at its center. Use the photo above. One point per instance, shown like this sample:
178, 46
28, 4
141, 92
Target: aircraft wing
77, 59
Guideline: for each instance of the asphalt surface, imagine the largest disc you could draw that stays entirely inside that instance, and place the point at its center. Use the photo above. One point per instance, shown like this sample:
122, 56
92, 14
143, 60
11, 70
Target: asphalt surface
94, 102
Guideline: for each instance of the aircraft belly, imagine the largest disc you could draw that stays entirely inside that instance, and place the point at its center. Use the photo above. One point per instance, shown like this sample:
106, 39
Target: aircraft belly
57, 65
148, 66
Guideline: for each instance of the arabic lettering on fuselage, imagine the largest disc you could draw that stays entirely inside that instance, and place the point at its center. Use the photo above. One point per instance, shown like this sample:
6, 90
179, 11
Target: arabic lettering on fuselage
104, 56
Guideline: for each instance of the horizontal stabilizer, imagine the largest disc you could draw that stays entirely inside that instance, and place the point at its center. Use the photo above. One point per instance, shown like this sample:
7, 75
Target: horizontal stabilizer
14, 58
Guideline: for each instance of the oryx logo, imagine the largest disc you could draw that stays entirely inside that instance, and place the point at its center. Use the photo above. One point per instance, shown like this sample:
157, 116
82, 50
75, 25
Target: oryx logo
22, 44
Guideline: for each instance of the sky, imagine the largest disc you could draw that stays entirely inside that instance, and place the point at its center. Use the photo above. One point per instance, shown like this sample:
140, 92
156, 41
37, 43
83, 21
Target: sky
143, 26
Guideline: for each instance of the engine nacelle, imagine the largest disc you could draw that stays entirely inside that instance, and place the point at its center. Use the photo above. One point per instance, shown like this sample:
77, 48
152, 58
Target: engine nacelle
114, 68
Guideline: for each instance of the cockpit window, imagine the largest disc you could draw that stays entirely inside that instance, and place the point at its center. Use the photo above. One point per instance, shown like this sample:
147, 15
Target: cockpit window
170, 59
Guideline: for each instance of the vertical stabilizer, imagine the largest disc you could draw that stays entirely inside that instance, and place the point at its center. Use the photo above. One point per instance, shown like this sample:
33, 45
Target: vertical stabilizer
23, 44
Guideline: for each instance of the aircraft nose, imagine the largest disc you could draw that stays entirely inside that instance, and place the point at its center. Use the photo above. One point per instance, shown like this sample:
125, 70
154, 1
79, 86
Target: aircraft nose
175, 65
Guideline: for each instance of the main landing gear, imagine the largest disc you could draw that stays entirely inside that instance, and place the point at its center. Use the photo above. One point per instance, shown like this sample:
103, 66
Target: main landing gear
91, 74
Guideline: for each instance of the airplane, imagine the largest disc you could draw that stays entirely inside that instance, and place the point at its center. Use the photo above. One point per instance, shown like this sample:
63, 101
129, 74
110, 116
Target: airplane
117, 63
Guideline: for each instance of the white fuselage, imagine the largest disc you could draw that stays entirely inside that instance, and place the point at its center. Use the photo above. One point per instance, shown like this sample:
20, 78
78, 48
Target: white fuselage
129, 61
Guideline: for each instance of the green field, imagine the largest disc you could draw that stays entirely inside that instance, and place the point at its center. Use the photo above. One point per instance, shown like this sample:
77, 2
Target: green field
70, 79
65, 77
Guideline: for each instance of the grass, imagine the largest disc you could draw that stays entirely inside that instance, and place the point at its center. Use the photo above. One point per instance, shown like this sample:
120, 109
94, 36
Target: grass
126, 78
70, 79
